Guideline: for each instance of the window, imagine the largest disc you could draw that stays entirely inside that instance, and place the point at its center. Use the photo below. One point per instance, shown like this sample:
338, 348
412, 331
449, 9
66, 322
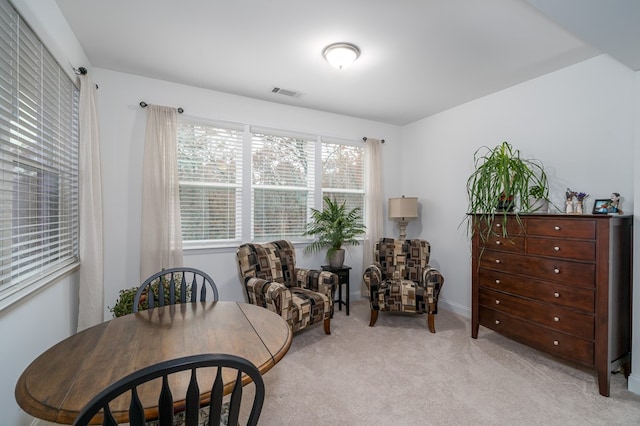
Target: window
343, 174
269, 195
282, 185
210, 175
39, 219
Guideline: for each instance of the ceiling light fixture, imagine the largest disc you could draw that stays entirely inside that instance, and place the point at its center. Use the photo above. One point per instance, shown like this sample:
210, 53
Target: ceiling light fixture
341, 55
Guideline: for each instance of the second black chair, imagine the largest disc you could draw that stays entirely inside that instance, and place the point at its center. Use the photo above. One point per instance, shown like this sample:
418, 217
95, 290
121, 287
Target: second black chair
192, 399
179, 285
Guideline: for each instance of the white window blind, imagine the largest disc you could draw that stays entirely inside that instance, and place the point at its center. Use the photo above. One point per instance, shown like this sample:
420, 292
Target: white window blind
343, 174
39, 220
282, 185
210, 175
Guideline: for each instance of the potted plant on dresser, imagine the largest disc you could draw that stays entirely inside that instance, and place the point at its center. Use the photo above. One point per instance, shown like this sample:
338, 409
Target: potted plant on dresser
334, 227
501, 182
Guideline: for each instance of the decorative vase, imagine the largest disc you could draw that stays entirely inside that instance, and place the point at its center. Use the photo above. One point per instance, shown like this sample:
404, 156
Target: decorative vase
539, 205
579, 207
337, 260
569, 209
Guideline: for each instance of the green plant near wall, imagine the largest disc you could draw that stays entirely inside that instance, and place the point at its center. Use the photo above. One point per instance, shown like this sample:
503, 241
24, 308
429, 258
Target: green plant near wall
124, 303
502, 180
334, 226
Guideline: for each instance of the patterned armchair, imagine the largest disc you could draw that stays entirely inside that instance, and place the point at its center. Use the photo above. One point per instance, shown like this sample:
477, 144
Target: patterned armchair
301, 296
400, 279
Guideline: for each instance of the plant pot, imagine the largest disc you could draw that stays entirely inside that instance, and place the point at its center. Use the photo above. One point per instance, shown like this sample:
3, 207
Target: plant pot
337, 260
539, 205
505, 204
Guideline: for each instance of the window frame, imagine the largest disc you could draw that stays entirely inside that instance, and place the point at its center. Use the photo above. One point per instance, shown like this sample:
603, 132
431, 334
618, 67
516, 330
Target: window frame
314, 188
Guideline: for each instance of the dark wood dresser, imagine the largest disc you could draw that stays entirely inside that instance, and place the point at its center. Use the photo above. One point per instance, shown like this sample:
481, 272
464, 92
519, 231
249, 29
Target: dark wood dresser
558, 283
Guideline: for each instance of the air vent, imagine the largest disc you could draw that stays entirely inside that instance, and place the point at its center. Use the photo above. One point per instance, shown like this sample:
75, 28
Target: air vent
285, 92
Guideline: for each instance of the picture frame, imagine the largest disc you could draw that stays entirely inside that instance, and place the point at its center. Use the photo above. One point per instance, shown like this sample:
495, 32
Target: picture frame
601, 206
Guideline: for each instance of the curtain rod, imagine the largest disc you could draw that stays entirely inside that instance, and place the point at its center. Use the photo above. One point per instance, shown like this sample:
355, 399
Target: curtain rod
143, 104
365, 139
81, 71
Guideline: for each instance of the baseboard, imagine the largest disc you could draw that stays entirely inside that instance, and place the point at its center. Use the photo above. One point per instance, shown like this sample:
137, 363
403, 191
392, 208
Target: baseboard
456, 308
633, 383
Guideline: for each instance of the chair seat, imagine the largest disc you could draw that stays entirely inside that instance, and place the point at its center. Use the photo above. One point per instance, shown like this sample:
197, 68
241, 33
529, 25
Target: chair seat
311, 306
403, 296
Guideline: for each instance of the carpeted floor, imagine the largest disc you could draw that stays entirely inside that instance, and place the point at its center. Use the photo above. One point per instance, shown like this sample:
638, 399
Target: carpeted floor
397, 373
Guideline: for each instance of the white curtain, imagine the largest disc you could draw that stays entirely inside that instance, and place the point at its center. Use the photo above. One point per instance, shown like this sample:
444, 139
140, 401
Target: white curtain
161, 241
91, 291
373, 203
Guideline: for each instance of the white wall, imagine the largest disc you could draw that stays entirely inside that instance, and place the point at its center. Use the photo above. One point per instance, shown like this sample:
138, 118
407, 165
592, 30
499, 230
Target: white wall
634, 379
122, 126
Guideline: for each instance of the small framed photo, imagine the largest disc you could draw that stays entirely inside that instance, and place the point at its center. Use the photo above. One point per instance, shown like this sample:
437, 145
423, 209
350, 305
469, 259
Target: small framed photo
601, 206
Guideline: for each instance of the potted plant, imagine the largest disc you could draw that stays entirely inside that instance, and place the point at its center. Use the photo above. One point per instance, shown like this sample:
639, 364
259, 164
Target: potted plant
124, 303
334, 226
539, 199
502, 180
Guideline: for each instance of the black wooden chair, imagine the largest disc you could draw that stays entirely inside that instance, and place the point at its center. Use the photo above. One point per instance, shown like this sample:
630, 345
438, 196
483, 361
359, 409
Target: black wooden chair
179, 285
100, 404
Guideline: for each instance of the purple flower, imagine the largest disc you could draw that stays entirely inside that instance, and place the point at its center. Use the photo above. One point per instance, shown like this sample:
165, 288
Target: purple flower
581, 195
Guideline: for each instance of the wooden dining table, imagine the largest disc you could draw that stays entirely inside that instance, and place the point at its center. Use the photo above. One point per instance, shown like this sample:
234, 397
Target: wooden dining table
61, 381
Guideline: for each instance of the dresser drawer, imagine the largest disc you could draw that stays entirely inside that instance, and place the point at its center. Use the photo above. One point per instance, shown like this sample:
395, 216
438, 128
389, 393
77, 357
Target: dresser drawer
553, 342
498, 242
576, 298
561, 248
513, 226
548, 315
561, 271
561, 228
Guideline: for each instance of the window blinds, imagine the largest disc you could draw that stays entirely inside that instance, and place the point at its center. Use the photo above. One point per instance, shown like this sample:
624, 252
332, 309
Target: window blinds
39, 219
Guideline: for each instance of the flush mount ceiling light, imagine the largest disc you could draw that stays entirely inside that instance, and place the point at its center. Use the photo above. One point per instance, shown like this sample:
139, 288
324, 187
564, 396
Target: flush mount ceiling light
341, 55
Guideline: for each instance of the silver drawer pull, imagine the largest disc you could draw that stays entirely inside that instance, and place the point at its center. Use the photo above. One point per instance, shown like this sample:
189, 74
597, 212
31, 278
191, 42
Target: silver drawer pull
497, 302
498, 242
498, 261
556, 294
557, 228
556, 319
498, 225
556, 270
497, 281
497, 321
556, 343
556, 248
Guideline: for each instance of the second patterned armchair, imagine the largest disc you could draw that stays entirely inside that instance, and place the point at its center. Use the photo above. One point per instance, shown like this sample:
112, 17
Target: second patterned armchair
301, 296
401, 279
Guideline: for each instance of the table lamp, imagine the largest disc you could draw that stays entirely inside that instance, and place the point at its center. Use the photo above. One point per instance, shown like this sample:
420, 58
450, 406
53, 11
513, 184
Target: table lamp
403, 210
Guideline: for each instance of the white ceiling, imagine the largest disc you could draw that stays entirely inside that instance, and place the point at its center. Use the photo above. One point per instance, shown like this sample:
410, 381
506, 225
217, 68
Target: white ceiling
419, 57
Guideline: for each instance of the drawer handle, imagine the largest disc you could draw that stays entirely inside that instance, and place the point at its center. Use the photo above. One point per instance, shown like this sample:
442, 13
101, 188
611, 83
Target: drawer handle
497, 281
497, 321
557, 228
497, 302
498, 225
556, 343
556, 248
498, 261
556, 319
498, 242
556, 294
556, 270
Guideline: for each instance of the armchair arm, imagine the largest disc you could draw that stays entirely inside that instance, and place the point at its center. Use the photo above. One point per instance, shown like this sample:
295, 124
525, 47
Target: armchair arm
432, 281
269, 294
321, 281
372, 278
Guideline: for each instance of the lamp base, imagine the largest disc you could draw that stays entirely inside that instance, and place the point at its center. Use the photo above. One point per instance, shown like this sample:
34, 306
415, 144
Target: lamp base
403, 229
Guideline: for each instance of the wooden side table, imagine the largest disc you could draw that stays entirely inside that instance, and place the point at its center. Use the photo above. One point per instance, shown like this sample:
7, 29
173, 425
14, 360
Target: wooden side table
343, 278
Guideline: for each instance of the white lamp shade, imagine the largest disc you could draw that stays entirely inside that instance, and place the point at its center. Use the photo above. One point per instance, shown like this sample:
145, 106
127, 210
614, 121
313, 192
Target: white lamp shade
403, 208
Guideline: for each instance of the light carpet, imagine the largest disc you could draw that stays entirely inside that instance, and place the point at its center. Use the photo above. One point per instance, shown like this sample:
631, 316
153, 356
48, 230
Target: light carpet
397, 373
